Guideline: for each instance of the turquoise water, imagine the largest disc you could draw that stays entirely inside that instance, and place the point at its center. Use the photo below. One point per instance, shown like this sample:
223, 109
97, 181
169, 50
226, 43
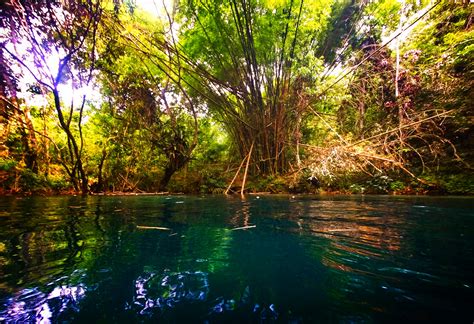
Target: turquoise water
187, 259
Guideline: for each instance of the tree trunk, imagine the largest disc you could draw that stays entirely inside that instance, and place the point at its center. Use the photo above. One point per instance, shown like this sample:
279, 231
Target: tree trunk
100, 180
175, 163
75, 156
31, 144
169, 171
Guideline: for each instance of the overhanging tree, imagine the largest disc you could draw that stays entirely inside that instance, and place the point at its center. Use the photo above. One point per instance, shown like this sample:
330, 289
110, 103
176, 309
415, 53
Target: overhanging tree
42, 31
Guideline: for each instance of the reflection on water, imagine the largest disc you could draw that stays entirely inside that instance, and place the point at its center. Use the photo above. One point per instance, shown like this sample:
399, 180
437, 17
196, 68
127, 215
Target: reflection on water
156, 293
34, 305
255, 260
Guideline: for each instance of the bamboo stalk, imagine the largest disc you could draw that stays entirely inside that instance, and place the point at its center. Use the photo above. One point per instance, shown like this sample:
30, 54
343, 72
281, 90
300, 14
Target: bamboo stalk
246, 170
235, 176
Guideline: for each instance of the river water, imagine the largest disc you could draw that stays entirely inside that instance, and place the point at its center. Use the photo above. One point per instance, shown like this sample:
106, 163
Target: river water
216, 259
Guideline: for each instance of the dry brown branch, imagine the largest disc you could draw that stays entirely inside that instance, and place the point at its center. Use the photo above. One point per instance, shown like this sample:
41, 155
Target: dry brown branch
383, 151
403, 127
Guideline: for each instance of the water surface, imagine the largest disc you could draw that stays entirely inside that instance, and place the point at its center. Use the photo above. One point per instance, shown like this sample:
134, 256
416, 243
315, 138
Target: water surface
215, 259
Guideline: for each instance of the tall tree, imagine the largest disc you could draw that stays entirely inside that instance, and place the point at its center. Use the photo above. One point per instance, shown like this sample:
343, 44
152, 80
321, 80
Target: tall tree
41, 32
141, 74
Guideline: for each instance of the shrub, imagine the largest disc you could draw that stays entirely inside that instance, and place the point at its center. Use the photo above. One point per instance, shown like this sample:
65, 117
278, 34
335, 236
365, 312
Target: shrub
7, 164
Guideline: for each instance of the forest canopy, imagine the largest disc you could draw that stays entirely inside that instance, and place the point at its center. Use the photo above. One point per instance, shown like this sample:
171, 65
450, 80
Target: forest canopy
212, 96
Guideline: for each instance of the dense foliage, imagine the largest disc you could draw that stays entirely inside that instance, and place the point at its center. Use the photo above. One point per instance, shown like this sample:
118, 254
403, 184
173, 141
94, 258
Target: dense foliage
269, 95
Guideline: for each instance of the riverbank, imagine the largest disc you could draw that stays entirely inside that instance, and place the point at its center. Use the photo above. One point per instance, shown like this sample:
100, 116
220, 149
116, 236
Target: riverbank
201, 182
406, 192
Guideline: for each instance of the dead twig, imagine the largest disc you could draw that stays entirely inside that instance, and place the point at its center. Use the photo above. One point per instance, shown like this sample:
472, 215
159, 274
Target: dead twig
153, 228
243, 227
